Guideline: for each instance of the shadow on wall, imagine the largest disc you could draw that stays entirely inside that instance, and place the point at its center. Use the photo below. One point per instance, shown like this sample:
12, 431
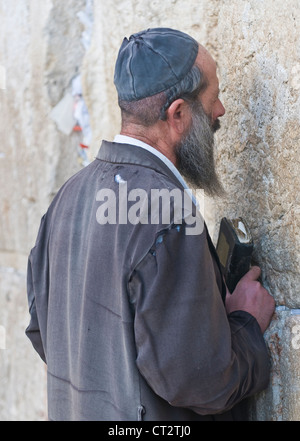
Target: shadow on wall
69, 30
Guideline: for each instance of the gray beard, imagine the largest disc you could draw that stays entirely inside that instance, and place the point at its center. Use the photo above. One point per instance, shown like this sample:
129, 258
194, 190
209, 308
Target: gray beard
195, 153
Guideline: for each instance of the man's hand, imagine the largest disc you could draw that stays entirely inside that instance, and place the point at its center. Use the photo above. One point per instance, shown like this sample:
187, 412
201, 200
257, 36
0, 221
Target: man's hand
249, 295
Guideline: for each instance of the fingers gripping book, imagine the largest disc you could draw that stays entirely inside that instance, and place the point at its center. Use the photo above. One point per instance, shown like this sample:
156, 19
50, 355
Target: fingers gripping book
234, 248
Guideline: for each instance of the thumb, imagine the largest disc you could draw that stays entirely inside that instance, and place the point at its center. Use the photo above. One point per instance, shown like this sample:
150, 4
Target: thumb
253, 274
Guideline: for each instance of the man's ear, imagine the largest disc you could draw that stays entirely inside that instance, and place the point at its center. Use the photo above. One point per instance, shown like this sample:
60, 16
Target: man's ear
179, 116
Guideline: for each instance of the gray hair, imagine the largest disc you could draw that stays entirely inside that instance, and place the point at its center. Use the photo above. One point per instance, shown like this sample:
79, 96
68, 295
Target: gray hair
148, 111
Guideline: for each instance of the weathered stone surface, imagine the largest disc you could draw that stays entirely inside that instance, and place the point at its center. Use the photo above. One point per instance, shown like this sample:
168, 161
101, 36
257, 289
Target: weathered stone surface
22, 373
281, 401
258, 147
257, 47
112, 22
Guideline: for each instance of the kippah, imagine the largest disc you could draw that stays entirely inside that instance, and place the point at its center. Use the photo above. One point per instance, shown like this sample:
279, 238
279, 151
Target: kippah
153, 60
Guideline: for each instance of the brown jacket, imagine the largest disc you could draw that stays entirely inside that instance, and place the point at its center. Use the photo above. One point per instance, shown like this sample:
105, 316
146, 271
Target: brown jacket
130, 317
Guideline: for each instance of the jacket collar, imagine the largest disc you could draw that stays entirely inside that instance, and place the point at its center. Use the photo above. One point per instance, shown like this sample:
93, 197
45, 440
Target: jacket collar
130, 154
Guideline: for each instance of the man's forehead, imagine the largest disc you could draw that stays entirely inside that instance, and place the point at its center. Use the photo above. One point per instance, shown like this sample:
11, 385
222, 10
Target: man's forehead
152, 61
205, 61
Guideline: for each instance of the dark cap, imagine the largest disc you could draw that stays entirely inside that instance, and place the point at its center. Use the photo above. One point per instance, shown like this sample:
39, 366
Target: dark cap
153, 60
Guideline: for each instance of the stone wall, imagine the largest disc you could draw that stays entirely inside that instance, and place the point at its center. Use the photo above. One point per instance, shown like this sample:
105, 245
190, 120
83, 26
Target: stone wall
41, 51
256, 44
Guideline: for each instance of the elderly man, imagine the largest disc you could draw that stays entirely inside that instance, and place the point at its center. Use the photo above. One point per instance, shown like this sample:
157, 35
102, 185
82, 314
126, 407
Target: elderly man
129, 310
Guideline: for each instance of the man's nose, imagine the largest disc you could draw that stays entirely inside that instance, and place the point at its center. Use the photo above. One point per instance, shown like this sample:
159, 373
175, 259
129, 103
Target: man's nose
220, 110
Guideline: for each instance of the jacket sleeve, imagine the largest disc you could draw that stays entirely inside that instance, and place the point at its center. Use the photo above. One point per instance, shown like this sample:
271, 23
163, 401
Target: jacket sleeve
189, 351
36, 280
33, 329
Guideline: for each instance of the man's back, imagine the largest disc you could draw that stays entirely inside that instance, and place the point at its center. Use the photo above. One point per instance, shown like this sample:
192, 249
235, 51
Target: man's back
128, 307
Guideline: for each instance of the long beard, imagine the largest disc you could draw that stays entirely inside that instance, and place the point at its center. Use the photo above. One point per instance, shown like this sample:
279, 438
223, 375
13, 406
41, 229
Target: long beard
195, 153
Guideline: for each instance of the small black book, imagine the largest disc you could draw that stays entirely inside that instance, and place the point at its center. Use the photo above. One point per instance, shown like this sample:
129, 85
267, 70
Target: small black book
234, 248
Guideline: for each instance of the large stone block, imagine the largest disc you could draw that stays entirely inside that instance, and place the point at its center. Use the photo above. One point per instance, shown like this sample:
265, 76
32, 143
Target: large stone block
257, 47
257, 154
40, 53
